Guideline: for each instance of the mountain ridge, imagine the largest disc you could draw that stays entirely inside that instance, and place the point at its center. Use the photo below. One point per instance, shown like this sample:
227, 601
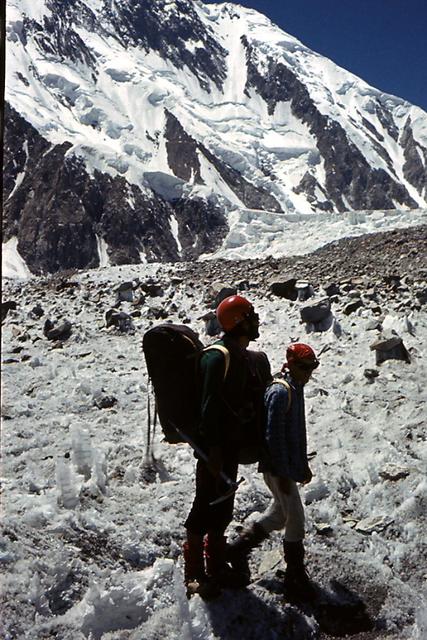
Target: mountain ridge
216, 111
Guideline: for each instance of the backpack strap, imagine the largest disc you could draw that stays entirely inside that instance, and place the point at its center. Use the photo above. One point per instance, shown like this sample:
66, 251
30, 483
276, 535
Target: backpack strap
287, 386
224, 351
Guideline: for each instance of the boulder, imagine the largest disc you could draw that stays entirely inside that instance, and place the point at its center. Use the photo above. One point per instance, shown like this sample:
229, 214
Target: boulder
157, 312
394, 472
8, 305
36, 312
304, 290
217, 292
104, 401
373, 524
316, 312
60, 332
353, 306
284, 287
370, 374
119, 319
390, 347
212, 326
124, 292
331, 289
151, 288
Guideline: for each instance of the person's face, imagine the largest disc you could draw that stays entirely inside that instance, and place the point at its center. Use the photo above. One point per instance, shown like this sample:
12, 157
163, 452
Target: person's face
301, 370
252, 322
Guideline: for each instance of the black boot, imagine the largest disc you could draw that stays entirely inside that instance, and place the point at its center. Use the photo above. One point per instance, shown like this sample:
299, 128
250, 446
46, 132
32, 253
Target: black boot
238, 551
217, 566
297, 582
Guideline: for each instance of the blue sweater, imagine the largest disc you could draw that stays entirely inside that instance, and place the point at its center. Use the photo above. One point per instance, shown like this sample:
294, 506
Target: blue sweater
285, 433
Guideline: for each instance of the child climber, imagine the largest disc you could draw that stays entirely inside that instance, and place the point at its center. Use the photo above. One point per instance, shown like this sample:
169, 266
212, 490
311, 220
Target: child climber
285, 463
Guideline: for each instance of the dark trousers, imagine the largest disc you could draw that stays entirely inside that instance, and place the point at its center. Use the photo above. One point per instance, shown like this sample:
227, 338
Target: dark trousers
204, 517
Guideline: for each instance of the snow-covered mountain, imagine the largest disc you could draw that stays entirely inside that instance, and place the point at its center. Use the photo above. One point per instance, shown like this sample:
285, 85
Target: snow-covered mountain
137, 129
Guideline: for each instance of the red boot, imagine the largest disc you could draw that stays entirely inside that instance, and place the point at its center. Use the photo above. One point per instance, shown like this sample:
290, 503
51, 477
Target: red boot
196, 580
216, 564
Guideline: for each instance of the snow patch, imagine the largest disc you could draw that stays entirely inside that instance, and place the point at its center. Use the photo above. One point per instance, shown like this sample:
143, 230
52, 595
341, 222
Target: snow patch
13, 266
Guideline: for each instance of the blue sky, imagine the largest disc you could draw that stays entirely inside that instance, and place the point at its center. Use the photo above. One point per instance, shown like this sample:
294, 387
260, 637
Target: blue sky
382, 41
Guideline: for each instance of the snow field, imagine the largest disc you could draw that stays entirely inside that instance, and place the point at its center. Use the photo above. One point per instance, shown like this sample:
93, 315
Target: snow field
92, 541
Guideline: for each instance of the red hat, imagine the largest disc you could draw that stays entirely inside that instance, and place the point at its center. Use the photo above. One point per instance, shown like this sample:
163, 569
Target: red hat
298, 351
233, 310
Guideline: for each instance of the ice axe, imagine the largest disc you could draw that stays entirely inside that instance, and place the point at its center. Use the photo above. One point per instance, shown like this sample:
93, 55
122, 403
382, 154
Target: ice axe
233, 486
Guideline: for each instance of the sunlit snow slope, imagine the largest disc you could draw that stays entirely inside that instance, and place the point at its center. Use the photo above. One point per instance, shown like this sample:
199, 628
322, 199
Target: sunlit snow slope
143, 124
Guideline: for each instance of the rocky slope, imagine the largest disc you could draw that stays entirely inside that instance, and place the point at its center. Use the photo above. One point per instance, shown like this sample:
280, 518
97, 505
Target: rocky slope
92, 524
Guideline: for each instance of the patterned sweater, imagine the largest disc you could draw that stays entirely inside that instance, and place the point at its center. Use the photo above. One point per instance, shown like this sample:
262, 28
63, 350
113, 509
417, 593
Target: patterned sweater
285, 433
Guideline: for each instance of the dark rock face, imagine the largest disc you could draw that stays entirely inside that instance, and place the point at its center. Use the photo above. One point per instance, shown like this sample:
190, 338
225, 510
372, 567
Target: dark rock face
252, 197
183, 160
57, 35
145, 23
182, 150
58, 211
348, 174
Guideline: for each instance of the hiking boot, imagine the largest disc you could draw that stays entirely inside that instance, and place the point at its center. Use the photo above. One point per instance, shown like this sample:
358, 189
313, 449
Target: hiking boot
238, 551
217, 567
195, 578
297, 583
203, 586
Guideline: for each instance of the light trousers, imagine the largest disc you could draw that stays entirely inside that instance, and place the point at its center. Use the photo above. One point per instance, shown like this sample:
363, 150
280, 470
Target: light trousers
285, 511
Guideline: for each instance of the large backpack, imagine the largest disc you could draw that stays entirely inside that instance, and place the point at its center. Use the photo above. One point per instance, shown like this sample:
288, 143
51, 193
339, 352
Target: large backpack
172, 354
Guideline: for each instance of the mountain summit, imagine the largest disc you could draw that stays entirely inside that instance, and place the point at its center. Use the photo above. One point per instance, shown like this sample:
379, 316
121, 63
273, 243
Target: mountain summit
136, 128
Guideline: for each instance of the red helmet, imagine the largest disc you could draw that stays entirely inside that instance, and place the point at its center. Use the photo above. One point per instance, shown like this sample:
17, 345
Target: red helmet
233, 310
298, 351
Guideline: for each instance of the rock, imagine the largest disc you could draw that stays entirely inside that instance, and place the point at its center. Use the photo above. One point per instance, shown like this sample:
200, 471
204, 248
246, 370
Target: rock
316, 490
390, 347
316, 312
351, 307
243, 285
392, 280
157, 313
152, 288
119, 319
376, 309
304, 290
104, 401
8, 305
284, 287
421, 295
374, 325
373, 524
323, 528
370, 374
398, 325
36, 312
270, 560
212, 326
394, 472
371, 294
61, 332
354, 294
331, 289
124, 292
217, 292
